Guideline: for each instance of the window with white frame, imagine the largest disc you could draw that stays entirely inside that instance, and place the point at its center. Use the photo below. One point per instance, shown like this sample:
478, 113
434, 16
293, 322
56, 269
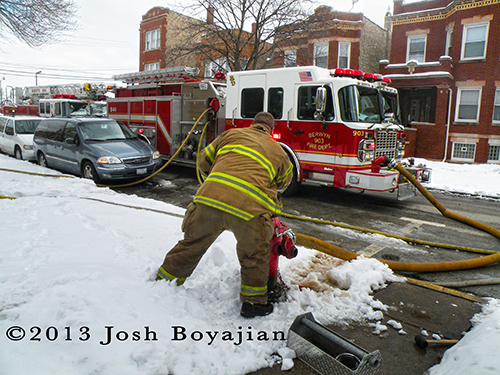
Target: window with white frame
496, 107
449, 37
152, 39
416, 48
290, 58
321, 55
463, 151
217, 65
494, 153
474, 40
153, 66
344, 60
468, 104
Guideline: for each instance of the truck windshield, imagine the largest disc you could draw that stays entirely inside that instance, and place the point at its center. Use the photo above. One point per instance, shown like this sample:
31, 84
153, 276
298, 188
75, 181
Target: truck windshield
360, 104
390, 105
74, 108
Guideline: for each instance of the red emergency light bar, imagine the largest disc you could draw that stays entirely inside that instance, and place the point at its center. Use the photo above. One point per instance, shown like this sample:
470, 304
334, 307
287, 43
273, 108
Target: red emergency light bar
63, 96
370, 77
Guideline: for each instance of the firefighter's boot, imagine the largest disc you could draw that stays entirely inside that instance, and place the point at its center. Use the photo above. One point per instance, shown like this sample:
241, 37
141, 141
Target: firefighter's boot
251, 310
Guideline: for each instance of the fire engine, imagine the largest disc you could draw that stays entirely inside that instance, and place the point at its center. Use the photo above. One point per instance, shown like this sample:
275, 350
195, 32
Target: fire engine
84, 99
337, 126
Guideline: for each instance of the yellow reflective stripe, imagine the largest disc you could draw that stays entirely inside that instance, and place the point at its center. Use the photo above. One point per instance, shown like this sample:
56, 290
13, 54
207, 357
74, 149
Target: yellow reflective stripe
253, 290
210, 152
223, 207
246, 188
283, 177
165, 275
255, 155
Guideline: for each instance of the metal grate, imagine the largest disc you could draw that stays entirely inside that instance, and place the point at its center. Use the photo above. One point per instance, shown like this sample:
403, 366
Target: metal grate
385, 142
137, 160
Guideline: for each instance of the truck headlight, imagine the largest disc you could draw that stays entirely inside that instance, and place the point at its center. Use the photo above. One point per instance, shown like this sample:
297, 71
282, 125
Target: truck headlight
156, 155
366, 150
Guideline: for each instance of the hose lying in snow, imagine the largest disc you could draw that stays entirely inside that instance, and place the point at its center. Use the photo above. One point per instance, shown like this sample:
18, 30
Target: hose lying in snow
169, 161
314, 243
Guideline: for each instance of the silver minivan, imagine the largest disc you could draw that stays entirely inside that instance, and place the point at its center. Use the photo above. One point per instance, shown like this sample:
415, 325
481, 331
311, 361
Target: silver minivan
16, 136
96, 148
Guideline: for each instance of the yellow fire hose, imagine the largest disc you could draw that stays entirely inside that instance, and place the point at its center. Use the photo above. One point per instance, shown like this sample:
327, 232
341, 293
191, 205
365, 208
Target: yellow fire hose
314, 243
169, 160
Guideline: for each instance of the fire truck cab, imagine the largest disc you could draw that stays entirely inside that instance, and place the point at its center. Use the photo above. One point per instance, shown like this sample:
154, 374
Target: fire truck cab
333, 124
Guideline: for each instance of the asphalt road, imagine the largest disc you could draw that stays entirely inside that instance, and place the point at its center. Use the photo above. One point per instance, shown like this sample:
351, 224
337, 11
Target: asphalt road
413, 218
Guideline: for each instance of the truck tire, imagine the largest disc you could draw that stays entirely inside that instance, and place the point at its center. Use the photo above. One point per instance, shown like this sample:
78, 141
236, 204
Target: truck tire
294, 186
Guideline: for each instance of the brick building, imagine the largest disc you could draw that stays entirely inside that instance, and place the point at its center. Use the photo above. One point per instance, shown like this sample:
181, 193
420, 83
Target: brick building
161, 29
445, 61
335, 40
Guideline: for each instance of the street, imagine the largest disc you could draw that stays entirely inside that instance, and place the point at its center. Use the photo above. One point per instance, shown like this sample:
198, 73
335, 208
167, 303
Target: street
413, 218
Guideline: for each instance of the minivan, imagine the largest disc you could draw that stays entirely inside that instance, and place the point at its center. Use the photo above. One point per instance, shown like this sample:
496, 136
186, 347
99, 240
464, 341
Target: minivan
16, 136
95, 148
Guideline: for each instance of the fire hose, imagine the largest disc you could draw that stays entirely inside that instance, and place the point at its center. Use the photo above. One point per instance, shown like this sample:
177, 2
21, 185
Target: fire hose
327, 248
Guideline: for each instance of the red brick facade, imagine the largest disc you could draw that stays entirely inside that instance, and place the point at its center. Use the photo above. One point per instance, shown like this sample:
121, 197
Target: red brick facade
445, 60
367, 42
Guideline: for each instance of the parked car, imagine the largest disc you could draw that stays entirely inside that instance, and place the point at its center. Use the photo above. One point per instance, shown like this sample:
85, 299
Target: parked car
95, 148
16, 136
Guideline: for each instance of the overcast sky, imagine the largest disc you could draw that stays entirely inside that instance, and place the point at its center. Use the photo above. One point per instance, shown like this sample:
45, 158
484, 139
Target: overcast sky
107, 43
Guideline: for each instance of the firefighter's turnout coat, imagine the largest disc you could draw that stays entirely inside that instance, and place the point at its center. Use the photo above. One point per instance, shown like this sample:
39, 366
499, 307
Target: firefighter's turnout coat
242, 170
245, 167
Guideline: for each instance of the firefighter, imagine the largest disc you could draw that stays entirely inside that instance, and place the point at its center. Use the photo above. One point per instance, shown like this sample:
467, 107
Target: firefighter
242, 169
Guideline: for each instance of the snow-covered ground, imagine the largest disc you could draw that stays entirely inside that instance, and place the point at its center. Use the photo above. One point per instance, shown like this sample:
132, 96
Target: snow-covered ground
77, 296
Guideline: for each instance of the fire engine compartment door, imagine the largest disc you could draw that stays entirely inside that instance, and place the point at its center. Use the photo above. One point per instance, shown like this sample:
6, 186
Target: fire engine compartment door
252, 89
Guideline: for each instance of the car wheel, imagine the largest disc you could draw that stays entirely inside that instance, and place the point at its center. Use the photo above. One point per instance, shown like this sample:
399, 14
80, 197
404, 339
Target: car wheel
42, 160
88, 171
18, 154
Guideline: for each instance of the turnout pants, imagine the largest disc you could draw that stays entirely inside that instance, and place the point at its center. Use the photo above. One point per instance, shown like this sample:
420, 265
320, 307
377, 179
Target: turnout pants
201, 226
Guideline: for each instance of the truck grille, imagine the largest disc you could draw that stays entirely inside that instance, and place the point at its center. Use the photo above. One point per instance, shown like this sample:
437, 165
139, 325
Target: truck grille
137, 160
385, 142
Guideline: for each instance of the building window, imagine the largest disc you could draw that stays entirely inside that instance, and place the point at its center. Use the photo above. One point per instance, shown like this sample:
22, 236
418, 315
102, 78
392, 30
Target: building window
474, 41
416, 48
290, 58
152, 40
449, 37
468, 105
463, 151
153, 66
344, 55
321, 55
494, 154
214, 66
496, 107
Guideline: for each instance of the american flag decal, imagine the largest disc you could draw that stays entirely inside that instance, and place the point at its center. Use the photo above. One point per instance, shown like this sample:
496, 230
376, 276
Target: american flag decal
305, 76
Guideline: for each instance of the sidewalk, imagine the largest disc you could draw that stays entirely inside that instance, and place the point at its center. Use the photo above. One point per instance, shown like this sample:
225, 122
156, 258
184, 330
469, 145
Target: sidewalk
416, 308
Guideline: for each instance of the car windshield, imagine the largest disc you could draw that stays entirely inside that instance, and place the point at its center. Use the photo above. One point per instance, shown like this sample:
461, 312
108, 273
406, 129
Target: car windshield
26, 126
103, 131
